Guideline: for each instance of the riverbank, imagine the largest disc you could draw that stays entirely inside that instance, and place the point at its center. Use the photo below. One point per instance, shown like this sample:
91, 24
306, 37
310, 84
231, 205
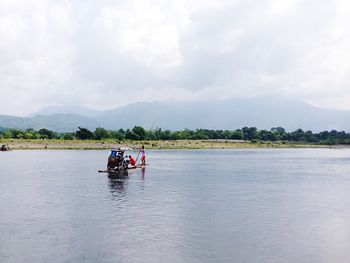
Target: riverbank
20, 144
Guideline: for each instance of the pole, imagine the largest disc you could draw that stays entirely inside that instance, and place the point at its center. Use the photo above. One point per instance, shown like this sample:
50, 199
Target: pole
138, 156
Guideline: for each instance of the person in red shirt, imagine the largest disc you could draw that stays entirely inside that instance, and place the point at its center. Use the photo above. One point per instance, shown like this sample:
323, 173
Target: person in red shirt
132, 160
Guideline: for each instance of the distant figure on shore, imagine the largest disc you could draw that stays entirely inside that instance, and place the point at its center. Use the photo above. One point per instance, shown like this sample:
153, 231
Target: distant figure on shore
143, 155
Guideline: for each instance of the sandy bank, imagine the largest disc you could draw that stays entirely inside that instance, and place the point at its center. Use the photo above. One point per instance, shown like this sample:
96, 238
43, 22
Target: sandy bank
19, 144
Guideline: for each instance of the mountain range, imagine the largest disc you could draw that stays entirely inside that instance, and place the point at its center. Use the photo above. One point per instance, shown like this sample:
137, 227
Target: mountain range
263, 113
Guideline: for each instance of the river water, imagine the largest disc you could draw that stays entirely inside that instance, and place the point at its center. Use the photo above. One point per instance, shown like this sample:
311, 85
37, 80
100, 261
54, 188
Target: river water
268, 205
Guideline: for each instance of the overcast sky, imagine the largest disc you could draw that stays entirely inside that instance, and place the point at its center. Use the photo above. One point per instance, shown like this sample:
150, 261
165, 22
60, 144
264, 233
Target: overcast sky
104, 53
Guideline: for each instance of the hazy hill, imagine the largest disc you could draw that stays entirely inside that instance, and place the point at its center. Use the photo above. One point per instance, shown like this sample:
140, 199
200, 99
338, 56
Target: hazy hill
78, 110
262, 113
56, 122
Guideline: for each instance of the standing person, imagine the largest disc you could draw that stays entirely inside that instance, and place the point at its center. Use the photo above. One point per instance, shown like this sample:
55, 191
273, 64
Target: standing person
143, 155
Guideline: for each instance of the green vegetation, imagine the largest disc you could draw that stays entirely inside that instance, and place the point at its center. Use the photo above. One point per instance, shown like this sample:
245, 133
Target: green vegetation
249, 134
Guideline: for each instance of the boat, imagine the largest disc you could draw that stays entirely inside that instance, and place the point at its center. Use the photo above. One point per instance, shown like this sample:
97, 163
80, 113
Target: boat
137, 166
117, 163
4, 148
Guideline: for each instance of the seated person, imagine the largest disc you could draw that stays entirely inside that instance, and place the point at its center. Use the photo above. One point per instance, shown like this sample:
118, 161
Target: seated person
132, 160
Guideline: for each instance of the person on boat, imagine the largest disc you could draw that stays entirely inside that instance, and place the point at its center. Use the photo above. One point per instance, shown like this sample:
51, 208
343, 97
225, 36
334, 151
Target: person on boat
143, 155
132, 160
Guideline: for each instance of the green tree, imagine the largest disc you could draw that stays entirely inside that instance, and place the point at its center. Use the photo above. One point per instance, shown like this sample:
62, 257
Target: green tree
250, 133
237, 135
150, 136
84, 134
165, 135
14, 134
46, 134
129, 135
280, 130
199, 134
68, 136
101, 133
139, 131
298, 136
118, 135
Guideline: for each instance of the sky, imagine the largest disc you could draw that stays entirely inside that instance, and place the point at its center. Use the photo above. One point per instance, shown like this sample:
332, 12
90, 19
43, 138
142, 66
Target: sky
105, 54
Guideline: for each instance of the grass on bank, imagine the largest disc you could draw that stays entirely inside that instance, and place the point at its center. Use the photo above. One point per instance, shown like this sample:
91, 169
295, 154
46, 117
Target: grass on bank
22, 144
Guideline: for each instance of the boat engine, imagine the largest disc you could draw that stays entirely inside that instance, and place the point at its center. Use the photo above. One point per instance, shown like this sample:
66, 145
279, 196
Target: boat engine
116, 161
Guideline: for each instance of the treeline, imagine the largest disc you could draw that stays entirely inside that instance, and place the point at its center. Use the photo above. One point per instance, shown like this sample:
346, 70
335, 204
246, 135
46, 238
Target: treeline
138, 133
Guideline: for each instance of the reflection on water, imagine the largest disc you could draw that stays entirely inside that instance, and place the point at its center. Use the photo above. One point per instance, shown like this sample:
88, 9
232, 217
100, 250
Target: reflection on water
118, 183
187, 206
143, 170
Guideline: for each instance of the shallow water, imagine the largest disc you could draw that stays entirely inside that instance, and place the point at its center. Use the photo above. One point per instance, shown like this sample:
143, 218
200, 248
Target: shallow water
283, 205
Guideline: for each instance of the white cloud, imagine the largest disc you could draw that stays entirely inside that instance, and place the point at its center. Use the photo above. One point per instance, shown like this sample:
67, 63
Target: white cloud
143, 32
105, 54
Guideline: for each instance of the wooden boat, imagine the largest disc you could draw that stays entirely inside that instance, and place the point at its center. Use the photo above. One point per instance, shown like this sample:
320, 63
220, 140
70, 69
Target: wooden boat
118, 164
4, 148
138, 166
118, 174
129, 168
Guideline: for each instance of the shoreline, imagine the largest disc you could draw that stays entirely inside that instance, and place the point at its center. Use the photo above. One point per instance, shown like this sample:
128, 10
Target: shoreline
22, 144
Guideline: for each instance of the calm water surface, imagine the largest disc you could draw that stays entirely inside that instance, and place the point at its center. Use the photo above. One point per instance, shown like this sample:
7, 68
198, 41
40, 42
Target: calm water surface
186, 206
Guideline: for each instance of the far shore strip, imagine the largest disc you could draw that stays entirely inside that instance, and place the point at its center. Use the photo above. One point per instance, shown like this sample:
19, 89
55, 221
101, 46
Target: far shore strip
21, 144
